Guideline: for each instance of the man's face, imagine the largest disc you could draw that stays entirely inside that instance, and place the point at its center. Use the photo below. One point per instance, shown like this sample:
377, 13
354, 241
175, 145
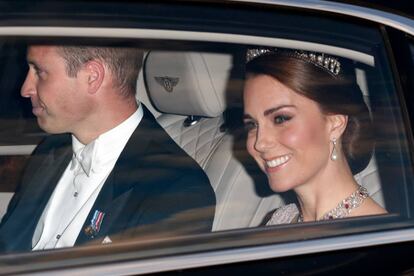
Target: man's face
58, 100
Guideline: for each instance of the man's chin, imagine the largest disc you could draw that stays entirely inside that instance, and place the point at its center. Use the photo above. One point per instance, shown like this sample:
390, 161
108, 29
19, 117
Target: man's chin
47, 127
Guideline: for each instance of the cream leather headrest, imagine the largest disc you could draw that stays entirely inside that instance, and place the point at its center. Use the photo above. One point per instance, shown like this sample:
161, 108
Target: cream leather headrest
187, 83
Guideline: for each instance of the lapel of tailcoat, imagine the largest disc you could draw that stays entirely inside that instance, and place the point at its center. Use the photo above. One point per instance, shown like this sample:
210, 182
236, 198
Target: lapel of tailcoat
116, 199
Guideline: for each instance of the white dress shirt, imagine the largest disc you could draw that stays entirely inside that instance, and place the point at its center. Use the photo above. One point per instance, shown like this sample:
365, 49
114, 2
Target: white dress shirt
80, 184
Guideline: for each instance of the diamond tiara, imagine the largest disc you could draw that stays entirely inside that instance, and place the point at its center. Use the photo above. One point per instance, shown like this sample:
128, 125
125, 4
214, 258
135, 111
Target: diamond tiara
321, 60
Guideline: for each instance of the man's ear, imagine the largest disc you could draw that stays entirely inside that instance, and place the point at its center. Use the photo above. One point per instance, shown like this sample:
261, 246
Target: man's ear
95, 73
337, 125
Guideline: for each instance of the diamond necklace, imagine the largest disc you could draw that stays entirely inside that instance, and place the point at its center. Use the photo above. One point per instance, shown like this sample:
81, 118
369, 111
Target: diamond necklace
345, 206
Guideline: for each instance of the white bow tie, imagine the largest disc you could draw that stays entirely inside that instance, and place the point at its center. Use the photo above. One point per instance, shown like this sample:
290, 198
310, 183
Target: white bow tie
84, 158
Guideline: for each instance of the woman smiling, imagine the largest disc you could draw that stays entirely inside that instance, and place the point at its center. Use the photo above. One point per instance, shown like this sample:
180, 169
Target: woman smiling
309, 130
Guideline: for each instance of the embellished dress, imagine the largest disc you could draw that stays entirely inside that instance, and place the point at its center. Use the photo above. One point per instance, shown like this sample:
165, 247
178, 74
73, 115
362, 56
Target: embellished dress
285, 214
291, 214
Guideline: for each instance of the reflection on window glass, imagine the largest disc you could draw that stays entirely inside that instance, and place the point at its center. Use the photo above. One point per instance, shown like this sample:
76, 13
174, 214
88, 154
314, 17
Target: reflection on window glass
218, 137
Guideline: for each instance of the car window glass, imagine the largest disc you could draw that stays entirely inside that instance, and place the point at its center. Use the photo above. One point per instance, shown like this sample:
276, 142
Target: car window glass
195, 91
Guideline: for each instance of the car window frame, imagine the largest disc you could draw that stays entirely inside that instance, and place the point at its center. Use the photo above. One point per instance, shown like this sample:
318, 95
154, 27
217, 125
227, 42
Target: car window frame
128, 253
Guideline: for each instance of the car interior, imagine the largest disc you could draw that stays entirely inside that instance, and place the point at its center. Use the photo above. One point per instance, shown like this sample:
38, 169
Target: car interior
196, 97
192, 79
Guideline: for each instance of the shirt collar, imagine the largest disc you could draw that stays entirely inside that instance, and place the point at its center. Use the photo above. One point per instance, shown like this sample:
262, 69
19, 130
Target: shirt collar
105, 150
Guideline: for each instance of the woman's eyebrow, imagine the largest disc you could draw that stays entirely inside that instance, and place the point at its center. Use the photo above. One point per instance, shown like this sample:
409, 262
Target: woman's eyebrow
274, 109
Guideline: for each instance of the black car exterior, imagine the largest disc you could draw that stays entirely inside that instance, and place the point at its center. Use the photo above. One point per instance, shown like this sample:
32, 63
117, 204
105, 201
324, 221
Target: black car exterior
381, 41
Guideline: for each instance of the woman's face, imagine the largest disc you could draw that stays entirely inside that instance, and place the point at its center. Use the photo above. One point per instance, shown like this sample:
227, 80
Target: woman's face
288, 135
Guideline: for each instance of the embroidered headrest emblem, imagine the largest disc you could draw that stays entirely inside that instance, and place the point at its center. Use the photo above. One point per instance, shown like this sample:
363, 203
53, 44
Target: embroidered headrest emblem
167, 82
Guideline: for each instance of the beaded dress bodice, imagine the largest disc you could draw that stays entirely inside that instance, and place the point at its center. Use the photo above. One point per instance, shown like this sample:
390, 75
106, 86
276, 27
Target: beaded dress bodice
291, 214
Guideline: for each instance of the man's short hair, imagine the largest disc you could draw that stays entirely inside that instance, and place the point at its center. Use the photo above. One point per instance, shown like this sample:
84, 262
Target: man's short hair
124, 63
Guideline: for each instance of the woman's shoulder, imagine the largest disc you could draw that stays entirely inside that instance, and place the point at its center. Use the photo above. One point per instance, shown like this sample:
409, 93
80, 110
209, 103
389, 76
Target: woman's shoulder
285, 214
368, 208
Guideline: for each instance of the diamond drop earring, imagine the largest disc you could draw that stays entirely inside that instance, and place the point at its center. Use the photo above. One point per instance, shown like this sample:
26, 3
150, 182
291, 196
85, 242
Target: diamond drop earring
334, 154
